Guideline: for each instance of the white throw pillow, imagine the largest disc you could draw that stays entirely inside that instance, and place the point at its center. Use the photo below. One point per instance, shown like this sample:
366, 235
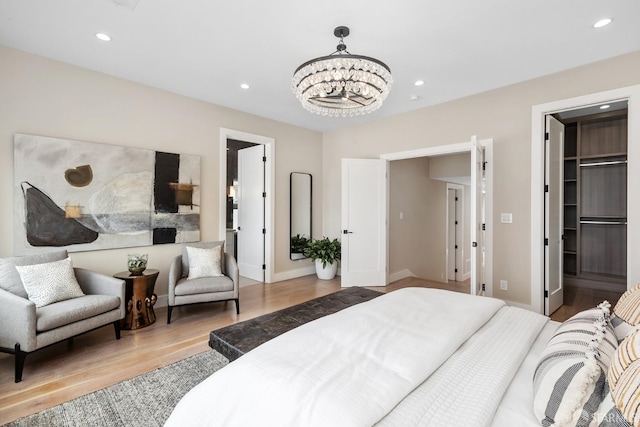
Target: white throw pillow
50, 282
204, 262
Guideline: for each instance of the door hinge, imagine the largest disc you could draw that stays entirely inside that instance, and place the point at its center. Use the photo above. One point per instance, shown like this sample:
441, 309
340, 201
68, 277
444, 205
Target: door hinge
264, 231
456, 199
456, 247
264, 194
264, 266
455, 270
456, 223
484, 166
546, 188
483, 287
474, 244
546, 136
264, 159
546, 242
546, 294
484, 227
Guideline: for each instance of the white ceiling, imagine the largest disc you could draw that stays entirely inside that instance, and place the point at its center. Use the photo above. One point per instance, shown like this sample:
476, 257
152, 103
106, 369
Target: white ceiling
205, 48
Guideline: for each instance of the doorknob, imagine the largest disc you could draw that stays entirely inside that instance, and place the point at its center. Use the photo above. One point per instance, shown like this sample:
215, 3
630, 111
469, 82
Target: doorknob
347, 232
239, 228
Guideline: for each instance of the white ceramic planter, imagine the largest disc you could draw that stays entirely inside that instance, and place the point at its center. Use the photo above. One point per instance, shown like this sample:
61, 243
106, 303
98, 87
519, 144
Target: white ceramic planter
327, 273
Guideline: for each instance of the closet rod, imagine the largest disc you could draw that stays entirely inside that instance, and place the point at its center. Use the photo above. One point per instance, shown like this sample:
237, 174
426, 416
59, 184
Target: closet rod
613, 162
604, 222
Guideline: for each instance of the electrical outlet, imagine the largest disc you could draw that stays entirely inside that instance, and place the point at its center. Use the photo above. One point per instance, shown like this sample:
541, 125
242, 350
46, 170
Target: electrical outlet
503, 285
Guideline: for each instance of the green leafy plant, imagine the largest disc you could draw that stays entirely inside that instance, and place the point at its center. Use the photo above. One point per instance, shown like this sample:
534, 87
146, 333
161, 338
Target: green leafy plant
325, 250
299, 243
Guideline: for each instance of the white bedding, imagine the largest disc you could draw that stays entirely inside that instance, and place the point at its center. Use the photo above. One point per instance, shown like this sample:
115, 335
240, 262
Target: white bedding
516, 407
468, 387
354, 367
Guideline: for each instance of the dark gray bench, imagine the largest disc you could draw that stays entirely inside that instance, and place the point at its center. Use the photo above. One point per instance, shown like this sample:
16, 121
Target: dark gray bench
235, 340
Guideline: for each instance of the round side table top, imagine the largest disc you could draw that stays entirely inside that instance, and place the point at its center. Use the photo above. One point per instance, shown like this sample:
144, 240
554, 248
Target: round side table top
127, 275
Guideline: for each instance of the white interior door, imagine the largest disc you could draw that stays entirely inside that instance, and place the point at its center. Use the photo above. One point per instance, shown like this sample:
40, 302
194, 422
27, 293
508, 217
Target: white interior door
451, 234
364, 222
251, 212
476, 232
554, 200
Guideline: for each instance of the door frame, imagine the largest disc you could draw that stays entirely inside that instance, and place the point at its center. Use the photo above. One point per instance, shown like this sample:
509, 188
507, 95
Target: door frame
459, 261
457, 148
269, 185
538, 113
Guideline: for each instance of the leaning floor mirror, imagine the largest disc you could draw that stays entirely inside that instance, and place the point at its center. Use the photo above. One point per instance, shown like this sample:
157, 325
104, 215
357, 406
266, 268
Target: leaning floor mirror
300, 214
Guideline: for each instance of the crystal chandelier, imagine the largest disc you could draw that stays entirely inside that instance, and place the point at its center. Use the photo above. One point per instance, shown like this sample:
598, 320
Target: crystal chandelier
342, 84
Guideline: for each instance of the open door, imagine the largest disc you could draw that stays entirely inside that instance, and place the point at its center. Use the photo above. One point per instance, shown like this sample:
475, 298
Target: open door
364, 222
452, 271
251, 212
553, 222
477, 222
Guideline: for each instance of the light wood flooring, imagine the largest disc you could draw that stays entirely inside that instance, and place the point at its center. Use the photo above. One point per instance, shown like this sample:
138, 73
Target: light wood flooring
96, 360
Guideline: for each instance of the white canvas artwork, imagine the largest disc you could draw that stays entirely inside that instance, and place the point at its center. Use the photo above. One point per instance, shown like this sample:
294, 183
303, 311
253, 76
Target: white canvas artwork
85, 196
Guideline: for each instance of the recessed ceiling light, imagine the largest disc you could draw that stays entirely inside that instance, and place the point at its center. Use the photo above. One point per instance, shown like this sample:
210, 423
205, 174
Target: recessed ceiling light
104, 37
603, 22
604, 107
244, 86
419, 82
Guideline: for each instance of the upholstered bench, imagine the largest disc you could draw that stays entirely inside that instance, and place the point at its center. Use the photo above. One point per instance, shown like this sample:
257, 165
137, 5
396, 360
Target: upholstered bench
235, 340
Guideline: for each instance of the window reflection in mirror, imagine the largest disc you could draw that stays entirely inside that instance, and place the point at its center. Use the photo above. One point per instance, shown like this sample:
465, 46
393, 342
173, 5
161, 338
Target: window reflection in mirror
300, 215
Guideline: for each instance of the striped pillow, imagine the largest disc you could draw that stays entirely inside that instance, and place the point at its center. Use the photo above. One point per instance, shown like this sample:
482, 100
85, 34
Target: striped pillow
626, 313
608, 415
569, 383
624, 378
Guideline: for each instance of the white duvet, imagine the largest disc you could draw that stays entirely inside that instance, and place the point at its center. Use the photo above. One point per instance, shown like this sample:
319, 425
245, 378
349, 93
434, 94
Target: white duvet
346, 369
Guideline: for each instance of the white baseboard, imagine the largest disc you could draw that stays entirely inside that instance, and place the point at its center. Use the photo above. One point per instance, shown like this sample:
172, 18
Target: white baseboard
394, 277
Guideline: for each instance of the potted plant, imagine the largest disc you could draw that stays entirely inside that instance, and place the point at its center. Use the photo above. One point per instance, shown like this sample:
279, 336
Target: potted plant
326, 254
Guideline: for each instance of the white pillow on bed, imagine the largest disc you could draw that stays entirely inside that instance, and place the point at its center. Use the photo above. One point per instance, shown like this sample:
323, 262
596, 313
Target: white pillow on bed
569, 382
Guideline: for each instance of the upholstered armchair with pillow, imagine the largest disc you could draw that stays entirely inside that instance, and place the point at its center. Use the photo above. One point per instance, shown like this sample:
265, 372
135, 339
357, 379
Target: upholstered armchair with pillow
203, 273
44, 300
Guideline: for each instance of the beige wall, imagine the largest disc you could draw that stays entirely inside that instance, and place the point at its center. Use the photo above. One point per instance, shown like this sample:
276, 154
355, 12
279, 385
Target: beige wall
43, 97
503, 114
417, 241
451, 166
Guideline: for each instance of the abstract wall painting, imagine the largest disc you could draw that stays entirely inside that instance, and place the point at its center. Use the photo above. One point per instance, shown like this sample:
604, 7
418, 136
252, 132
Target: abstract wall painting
84, 196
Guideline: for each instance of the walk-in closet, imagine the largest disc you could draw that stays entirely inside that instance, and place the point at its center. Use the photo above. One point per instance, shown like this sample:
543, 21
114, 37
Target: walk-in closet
595, 199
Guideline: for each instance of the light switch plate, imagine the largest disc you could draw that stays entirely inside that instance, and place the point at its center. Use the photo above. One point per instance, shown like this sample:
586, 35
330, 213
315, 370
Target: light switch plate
506, 218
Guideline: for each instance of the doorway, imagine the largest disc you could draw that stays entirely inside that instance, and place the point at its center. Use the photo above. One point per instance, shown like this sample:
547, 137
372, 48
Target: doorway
257, 265
482, 250
586, 202
539, 112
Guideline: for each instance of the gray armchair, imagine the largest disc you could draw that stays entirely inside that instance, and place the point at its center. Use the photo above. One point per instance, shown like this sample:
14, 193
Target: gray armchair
183, 291
25, 328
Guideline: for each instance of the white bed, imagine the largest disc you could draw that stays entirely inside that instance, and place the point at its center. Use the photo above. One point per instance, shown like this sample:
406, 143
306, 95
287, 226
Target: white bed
412, 357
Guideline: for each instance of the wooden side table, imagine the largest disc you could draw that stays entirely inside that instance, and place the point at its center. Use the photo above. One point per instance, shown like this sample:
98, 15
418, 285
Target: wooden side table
140, 298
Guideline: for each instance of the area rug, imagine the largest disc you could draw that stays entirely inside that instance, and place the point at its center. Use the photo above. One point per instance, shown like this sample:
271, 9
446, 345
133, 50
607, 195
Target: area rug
146, 400
235, 340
